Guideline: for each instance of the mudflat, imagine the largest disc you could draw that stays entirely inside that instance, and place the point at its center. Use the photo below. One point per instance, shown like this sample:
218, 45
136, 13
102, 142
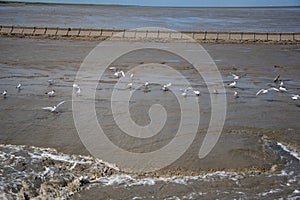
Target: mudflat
250, 121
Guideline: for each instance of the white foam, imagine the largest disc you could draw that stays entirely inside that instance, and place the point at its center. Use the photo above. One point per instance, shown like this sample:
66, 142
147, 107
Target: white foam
288, 150
269, 192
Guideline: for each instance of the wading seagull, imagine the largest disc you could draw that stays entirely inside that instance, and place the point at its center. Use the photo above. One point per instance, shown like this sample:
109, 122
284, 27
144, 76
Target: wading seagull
196, 92
113, 69
4, 93
19, 86
51, 93
233, 84
53, 109
184, 91
118, 74
166, 87
235, 77
295, 96
51, 81
77, 89
264, 91
215, 91
130, 85
235, 94
276, 78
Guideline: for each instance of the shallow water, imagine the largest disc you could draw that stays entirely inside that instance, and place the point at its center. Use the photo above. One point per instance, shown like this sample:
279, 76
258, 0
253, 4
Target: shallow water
130, 17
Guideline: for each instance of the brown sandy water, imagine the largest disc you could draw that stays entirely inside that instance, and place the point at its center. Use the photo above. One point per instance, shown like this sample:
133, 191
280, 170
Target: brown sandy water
247, 161
131, 17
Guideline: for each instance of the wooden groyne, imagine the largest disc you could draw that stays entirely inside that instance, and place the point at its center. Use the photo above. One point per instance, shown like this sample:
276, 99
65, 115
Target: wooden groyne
100, 34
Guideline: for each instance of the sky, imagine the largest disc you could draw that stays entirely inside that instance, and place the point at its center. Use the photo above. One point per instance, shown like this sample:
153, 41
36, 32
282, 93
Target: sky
188, 3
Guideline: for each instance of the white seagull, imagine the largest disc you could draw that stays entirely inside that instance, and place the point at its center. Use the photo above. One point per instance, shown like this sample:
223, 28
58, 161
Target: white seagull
118, 74
166, 87
233, 84
4, 93
263, 91
130, 85
53, 109
51, 93
196, 92
236, 95
281, 83
51, 81
77, 88
295, 96
282, 89
146, 85
235, 77
19, 86
113, 69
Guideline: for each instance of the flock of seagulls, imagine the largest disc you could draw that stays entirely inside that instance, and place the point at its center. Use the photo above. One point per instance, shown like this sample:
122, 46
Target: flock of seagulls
166, 87
281, 87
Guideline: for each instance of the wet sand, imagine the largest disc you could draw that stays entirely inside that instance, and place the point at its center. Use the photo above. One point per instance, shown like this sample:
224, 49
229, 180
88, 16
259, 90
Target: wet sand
241, 147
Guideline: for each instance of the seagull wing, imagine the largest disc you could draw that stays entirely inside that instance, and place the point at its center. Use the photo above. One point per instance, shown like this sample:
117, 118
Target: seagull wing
60, 103
260, 91
275, 89
48, 108
123, 74
168, 85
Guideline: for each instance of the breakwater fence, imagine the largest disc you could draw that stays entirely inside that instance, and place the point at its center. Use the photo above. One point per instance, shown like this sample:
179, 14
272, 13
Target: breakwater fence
100, 34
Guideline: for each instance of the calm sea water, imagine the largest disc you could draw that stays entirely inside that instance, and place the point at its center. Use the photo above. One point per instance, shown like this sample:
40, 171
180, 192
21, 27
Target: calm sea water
128, 17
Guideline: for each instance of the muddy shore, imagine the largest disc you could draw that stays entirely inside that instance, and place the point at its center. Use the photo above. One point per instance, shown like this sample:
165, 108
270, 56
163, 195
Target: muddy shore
249, 120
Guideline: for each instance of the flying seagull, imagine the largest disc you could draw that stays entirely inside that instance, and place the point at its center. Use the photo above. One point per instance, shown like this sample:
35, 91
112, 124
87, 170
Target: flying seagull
53, 109
264, 91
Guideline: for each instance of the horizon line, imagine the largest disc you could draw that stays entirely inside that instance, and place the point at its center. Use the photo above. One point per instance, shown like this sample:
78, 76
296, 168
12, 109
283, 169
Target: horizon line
131, 5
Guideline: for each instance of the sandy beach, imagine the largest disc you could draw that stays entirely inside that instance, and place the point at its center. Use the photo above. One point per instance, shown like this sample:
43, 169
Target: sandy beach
252, 122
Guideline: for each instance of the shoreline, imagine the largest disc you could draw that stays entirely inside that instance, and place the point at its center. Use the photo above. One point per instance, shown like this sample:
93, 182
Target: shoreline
150, 35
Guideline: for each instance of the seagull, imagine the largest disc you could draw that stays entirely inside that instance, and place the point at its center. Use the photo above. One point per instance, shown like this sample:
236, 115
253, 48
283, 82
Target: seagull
131, 76
77, 88
78, 91
196, 92
130, 85
166, 87
215, 91
263, 91
184, 91
281, 83
118, 74
282, 89
4, 93
236, 95
51, 93
146, 85
233, 84
235, 77
19, 86
53, 109
51, 81
75, 85
113, 69
295, 96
